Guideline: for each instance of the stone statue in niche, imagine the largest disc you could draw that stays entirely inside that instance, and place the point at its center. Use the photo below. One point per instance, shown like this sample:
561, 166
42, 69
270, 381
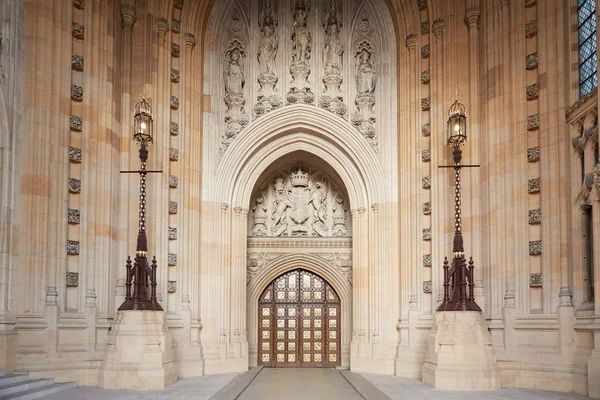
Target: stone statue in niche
318, 204
267, 98
334, 49
339, 217
234, 73
366, 76
301, 37
259, 225
281, 204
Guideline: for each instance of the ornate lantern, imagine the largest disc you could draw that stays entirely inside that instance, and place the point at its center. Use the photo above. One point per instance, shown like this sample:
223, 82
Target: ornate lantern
142, 122
457, 124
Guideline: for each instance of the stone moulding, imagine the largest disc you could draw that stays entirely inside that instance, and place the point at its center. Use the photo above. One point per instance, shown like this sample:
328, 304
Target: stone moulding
426, 130
535, 216
172, 286
74, 185
427, 287
427, 262
427, 234
175, 50
173, 154
77, 62
172, 233
426, 182
78, 31
75, 155
173, 181
534, 185
427, 208
425, 76
425, 104
176, 26
76, 123
175, 75
72, 247
426, 155
533, 122
173, 207
74, 216
531, 29
425, 51
76, 93
72, 279
535, 247
532, 92
172, 260
531, 61
535, 280
174, 129
533, 154
174, 103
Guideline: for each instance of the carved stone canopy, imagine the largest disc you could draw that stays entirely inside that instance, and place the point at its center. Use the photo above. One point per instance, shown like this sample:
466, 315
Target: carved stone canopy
299, 201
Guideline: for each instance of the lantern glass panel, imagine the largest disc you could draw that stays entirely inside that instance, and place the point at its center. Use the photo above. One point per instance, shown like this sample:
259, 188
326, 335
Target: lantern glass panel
457, 125
143, 122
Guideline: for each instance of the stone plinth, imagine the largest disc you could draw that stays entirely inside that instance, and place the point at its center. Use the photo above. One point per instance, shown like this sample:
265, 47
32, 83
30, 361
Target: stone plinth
593, 374
460, 354
138, 354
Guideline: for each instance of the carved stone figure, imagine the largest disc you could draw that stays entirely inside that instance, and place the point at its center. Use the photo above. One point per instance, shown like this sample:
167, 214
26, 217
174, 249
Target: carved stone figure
234, 73
366, 76
301, 37
318, 206
339, 217
281, 204
334, 49
259, 226
269, 42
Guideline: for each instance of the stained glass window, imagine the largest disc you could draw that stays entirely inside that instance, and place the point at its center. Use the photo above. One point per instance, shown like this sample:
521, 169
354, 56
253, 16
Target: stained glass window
588, 63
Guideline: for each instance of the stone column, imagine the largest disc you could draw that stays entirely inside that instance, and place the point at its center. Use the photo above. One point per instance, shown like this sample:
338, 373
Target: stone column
594, 359
129, 213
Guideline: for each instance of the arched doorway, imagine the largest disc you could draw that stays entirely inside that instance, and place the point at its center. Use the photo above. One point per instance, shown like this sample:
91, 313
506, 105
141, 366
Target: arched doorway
299, 322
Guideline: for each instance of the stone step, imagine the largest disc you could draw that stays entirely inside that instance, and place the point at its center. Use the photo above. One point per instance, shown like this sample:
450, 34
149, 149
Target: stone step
39, 392
11, 379
5, 390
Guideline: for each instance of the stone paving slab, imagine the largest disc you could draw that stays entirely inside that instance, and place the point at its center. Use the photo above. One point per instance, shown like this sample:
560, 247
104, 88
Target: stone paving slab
237, 385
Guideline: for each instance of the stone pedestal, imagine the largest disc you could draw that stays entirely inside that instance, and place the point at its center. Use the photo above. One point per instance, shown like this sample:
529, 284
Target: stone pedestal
593, 373
460, 354
138, 354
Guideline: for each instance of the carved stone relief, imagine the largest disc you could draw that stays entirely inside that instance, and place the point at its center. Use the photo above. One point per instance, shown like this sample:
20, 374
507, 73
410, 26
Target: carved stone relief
176, 25
425, 51
174, 129
427, 287
535, 216
174, 103
427, 234
172, 233
531, 29
172, 260
427, 262
534, 185
175, 50
426, 130
427, 208
422, 4
424, 28
173, 207
76, 123
426, 155
300, 91
234, 82
425, 77
533, 154
533, 122
77, 62
79, 4
531, 61
425, 104
76, 93
75, 155
175, 75
535, 248
74, 216
426, 182
173, 181
72, 279
172, 286
535, 280
530, 3
173, 154
533, 91
78, 31
72, 247
267, 99
74, 185
299, 201
333, 56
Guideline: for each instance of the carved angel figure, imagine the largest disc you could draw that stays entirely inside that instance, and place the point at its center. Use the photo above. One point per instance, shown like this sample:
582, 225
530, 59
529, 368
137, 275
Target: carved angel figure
366, 76
301, 38
234, 73
269, 43
334, 49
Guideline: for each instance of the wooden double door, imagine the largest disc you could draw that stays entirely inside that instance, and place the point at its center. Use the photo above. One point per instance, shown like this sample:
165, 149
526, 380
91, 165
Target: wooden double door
299, 322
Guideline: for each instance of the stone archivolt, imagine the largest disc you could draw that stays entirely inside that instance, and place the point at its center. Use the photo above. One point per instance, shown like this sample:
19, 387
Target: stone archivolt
299, 202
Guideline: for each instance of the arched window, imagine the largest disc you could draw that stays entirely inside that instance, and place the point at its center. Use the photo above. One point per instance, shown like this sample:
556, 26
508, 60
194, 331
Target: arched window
588, 65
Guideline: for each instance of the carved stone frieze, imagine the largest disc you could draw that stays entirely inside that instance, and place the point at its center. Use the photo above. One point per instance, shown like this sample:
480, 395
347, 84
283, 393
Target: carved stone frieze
426, 155
74, 185
535, 216
174, 129
76, 93
299, 201
427, 287
74, 216
78, 30
535, 247
175, 75
76, 123
172, 286
176, 26
426, 182
533, 91
172, 260
75, 155
427, 234
531, 61
535, 279
424, 28
425, 51
79, 4
534, 185
533, 122
427, 261
427, 208
172, 233
175, 50
173, 181
425, 76
173, 154
425, 104
173, 207
531, 29
234, 78
533, 154
72, 279
72, 247
77, 62
174, 103
426, 130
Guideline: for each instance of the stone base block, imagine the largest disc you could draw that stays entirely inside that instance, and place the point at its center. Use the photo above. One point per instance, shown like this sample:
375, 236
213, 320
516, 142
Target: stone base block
139, 354
593, 374
460, 354
8, 350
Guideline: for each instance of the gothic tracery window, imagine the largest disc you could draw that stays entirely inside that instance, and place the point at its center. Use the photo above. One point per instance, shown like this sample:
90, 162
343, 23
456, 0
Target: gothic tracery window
588, 64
